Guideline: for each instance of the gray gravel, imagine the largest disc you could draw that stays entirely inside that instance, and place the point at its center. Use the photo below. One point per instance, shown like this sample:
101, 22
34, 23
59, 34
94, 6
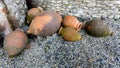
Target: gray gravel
54, 52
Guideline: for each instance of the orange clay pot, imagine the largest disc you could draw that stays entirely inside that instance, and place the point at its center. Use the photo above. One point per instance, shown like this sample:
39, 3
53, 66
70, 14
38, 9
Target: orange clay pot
32, 13
46, 24
71, 21
15, 42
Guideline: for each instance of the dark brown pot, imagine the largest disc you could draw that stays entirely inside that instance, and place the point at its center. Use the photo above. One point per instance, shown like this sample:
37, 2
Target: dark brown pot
97, 28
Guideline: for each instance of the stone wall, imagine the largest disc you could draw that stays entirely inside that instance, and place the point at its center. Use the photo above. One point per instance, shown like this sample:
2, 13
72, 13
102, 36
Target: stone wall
83, 8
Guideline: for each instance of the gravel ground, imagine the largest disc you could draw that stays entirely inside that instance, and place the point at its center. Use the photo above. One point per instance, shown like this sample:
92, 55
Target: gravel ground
54, 52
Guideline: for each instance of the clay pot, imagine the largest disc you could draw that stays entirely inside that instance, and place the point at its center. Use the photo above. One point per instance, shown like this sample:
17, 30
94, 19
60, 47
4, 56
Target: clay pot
69, 34
46, 24
15, 42
32, 13
97, 28
71, 21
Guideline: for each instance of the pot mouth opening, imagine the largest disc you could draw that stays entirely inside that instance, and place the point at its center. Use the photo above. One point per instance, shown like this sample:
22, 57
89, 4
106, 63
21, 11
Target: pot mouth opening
79, 26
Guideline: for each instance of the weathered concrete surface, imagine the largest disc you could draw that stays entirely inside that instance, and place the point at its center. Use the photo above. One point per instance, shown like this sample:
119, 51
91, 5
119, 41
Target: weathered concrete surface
90, 52
17, 11
82, 8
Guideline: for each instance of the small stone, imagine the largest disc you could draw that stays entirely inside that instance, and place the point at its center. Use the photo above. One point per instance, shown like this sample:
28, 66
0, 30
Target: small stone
91, 4
116, 17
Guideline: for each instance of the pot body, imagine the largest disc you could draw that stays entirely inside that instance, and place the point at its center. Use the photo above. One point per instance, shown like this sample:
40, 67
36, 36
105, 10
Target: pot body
46, 24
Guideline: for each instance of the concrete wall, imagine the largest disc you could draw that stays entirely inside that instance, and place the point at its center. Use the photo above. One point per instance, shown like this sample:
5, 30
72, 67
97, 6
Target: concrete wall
84, 8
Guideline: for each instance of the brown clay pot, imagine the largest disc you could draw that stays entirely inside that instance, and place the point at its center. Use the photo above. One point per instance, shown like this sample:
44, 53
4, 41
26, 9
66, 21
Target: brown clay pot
15, 42
46, 24
71, 21
32, 13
